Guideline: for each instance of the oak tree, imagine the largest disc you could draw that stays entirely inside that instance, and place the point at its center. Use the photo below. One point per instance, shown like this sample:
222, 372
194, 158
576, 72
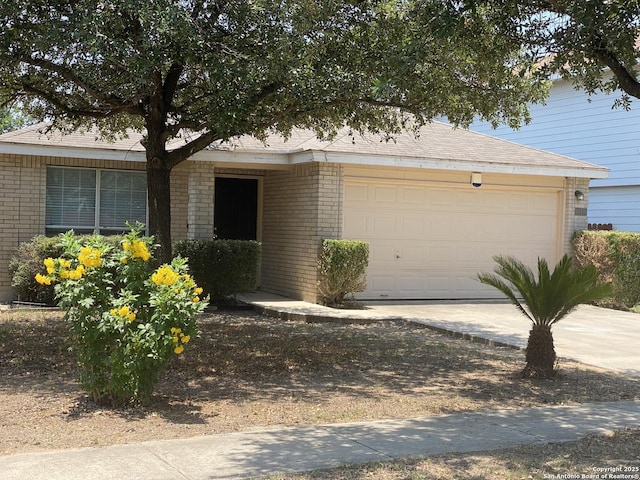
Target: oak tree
203, 71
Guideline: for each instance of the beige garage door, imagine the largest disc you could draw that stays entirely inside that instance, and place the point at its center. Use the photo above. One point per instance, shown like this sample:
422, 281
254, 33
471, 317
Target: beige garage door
429, 242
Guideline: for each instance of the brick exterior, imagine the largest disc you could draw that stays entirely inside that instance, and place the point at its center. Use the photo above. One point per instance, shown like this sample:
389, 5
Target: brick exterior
301, 207
192, 189
575, 210
22, 202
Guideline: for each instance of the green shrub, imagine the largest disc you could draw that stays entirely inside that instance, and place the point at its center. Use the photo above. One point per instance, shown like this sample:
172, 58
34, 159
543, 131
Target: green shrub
127, 317
222, 267
616, 255
342, 268
27, 262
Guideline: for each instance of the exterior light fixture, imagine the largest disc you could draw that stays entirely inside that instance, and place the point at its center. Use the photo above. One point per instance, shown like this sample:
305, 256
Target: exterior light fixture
579, 195
476, 179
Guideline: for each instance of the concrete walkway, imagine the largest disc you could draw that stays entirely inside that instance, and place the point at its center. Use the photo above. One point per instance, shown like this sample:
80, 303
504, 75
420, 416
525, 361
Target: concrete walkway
269, 451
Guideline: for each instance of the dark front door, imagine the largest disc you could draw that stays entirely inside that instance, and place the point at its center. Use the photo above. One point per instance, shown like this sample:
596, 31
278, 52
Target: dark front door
236, 208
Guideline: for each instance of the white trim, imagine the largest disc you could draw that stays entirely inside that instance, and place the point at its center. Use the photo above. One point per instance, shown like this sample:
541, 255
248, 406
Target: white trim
459, 165
72, 152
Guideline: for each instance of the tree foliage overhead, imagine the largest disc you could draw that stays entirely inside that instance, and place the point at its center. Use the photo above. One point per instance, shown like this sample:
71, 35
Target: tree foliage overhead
593, 43
205, 71
12, 118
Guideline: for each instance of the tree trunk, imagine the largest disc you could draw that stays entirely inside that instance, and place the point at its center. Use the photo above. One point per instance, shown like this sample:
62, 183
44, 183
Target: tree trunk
159, 195
540, 354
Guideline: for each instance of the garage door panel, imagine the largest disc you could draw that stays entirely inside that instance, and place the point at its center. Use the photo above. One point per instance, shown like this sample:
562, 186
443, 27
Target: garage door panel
381, 285
414, 196
385, 194
412, 284
381, 253
356, 192
430, 242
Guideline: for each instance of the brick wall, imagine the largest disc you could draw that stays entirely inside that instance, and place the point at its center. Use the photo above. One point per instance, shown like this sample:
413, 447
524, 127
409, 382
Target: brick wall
21, 209
192, 186
575, 210
301, 207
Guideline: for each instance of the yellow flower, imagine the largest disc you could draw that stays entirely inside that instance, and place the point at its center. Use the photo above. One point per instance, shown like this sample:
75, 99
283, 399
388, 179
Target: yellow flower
179, 349
50, 264
175, 330
165, 275
198, 291
126, 245
64, 263
140, 250
124, 312
195, 299
76, 274
42, 279
90, 257
64, 274
174, 339
185, 338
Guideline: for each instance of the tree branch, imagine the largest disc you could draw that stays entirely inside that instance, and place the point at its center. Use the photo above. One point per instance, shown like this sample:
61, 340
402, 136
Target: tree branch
627, 82
171, 83
67, 109
70, 76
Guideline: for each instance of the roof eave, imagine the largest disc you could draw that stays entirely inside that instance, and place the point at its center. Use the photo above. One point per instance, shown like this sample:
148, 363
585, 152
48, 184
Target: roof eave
453, 164
72, 152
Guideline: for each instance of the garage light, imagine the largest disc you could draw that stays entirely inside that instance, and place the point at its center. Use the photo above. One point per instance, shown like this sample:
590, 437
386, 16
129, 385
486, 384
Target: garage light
579, 195
476, 179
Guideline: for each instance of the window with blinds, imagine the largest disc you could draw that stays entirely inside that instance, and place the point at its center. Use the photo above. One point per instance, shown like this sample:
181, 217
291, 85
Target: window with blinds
93, 200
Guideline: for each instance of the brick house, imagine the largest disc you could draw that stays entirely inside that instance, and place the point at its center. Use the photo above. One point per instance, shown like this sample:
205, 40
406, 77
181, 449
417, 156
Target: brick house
434, 208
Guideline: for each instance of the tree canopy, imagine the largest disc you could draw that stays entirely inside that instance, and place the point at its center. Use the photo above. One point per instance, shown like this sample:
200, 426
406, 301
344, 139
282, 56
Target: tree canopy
592, 43
12, 118
205, 71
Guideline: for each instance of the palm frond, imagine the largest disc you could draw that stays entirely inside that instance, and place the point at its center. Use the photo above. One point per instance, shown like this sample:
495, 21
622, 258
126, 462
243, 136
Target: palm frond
552, 295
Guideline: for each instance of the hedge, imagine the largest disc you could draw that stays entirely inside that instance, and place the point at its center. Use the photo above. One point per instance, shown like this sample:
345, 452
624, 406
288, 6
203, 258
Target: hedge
221, 267
616, 255
342, 268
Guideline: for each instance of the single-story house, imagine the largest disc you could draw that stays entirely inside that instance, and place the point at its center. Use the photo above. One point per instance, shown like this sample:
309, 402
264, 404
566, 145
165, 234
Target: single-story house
434, 208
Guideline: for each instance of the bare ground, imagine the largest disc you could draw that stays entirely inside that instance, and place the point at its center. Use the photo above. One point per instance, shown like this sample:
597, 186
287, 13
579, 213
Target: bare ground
248, 370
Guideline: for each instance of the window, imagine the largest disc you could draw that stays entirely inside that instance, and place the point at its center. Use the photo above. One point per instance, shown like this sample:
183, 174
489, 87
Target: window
90, 200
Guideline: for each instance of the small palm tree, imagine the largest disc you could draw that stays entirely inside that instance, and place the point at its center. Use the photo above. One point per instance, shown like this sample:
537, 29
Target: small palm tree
544, 301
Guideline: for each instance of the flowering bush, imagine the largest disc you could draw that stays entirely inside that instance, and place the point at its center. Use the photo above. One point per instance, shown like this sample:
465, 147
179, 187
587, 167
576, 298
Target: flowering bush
127, 317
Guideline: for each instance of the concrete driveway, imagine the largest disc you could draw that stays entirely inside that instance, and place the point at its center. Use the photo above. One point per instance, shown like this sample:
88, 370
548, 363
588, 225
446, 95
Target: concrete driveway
597, 336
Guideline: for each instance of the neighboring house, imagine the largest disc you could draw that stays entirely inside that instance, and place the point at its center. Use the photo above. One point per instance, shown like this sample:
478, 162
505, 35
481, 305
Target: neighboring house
434, 208
586, 127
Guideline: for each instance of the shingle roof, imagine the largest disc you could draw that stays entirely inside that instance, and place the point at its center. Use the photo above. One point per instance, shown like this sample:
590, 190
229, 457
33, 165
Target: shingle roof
437, 145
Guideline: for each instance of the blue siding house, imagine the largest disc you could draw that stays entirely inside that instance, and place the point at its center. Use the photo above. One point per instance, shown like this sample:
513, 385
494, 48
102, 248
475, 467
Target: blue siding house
588, 128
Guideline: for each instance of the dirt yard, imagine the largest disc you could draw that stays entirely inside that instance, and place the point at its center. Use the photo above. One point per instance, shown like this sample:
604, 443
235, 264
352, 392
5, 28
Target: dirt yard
248, 370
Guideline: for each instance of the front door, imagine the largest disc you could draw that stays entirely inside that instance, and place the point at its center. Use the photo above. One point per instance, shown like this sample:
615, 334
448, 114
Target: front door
236, 208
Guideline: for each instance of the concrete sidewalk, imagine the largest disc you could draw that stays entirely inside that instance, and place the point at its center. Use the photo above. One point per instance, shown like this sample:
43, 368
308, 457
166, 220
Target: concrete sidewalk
304, 448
